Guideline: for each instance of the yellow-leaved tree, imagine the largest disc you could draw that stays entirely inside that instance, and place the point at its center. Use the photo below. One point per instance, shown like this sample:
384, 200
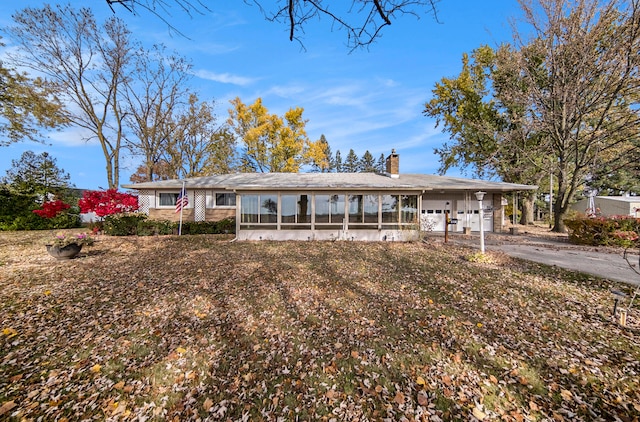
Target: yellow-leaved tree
271, 143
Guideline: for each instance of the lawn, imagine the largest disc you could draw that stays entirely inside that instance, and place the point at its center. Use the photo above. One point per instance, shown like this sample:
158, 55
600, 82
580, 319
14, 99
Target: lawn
197, 327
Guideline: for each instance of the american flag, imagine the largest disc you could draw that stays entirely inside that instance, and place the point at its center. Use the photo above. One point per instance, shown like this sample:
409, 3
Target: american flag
182, 201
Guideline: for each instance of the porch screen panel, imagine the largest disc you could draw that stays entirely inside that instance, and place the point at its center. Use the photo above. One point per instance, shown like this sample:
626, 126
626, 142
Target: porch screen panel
409, 209
322, 208
268, 209
304, 209
356, 209
337, 209
288, 209
249, 209
371, 209
389, 208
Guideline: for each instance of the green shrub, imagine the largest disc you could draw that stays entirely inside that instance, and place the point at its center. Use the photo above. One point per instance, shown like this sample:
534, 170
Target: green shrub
154, 227
208, 227
139, 224
122, 224
65, 221
198, 227
615, 231
228, 225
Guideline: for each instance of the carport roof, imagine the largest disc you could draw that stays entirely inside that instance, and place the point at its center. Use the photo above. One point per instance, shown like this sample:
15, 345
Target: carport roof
331, 181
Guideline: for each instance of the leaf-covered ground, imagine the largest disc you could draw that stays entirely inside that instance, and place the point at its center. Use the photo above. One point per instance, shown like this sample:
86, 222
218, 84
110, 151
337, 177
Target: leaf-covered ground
194, 327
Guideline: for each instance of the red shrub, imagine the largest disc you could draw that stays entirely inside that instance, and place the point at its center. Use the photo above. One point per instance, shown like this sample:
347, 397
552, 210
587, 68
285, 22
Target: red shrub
107, 202
51, 209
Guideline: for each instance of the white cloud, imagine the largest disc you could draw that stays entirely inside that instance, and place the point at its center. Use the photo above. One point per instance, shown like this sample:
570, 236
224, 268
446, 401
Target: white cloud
225, 78
72, 137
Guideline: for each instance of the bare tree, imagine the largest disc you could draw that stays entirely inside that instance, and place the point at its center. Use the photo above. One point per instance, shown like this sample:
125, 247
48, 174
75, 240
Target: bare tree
152, 99
87, 62
362, 20
198, 145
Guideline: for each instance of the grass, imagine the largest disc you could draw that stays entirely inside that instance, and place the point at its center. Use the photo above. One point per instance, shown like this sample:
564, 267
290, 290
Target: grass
195, 327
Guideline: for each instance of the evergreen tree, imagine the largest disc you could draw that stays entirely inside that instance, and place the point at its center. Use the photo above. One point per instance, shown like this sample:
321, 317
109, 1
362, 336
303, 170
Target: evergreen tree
37, 175
337, 163
351, 163
327, 149
367, 163
381, 165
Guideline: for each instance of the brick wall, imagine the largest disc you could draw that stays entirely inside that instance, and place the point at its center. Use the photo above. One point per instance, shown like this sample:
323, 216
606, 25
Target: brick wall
171, 215
220, 214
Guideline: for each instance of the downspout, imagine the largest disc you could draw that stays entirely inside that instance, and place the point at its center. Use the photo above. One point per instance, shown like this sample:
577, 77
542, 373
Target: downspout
237, 217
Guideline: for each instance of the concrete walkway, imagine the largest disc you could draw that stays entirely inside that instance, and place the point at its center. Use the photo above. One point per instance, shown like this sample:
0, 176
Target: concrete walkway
603, 262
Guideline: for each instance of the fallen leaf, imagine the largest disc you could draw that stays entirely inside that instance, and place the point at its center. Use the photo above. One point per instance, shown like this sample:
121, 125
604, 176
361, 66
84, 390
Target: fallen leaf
566, 394
9, 332
420, 381
6, 407
207, 404
478, 414
96, 368
423, 400
181, 350
399, 398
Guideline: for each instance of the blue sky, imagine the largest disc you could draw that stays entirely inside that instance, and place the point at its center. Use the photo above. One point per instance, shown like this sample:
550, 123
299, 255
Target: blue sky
366, 99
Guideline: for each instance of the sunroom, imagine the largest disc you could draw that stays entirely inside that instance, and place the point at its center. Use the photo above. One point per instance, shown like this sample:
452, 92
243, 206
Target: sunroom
325, 215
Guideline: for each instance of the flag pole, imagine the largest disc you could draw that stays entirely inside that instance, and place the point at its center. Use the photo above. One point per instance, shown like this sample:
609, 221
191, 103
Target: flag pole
182, 192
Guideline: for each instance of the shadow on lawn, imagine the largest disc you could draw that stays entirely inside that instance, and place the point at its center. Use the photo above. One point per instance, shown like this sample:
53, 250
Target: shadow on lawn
195, 327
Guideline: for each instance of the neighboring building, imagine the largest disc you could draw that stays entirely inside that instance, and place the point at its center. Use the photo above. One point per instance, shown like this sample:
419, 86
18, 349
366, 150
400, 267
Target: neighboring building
608, 206
326, 206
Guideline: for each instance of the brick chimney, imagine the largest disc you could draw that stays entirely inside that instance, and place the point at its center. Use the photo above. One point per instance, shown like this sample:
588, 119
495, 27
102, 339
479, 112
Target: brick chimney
393, 164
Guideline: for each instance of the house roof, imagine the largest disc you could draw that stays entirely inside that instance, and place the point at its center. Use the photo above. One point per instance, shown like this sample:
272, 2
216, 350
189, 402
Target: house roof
331, 181
629, 199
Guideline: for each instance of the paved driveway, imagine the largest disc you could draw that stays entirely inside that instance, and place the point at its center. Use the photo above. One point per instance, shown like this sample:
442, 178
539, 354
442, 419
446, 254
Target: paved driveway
602, 262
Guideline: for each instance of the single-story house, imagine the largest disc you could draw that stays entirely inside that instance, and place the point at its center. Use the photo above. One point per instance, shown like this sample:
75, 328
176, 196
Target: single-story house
328, 206
609, 206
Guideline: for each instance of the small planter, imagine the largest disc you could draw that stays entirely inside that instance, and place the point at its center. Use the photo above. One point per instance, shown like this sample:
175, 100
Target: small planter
66, 252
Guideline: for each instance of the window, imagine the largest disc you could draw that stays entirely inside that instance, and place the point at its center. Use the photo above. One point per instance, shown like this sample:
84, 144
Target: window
389, 208
259, 209
167, 199
249, 209
329, 209
409, 214
225, 199
401, 209
269, 209
371, 209
296, 209
356, 209
363, 211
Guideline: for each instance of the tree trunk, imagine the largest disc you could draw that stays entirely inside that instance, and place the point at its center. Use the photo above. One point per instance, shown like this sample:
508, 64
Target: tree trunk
527, 208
